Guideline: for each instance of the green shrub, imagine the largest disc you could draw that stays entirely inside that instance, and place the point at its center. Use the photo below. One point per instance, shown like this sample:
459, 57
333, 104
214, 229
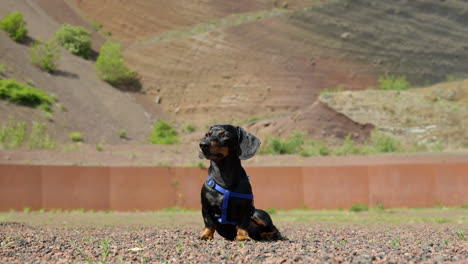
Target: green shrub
315, 148
280, 146
13, 135
349, 147
76, 136
15, 26
190, 128
24, 94
382, 143
358, 208
75, 39
122, 133
45, 55
111, 65
2, 69
390, 82
163, 134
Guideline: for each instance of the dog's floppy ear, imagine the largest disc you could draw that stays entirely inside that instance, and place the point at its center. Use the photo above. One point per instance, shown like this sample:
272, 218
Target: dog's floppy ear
248, 144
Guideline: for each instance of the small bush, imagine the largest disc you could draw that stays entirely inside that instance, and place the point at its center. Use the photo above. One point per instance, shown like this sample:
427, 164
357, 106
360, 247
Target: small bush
349, 147
163, 134
111, 65
2, 69
24, 94
45, 55
190, 128
384, 144
358, 208
390, 82
280, 146
123, 133
315, 148
75, 39
76, 136
15, 26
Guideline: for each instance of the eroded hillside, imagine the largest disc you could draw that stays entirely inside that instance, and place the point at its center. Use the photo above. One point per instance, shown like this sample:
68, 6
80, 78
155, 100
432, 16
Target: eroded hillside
261, 64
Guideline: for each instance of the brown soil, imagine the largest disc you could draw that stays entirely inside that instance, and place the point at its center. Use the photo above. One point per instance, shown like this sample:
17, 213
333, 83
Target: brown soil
270, 67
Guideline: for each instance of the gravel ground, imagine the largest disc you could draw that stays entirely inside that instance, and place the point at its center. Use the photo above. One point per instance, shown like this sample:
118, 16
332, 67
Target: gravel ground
308, 242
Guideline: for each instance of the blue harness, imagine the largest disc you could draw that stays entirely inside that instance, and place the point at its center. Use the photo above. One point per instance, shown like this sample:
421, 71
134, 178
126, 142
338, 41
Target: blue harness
227, 194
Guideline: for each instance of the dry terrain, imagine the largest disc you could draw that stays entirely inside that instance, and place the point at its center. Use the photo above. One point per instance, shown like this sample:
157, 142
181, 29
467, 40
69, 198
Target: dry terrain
388, 236
261, 64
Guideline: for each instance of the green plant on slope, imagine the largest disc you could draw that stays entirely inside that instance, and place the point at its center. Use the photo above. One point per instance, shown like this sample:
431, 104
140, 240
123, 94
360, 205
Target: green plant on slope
382, 143
280, 146
75, 39
15, 25
14, 134
391, 82
111, 65
45, 55
23, 94
163, 134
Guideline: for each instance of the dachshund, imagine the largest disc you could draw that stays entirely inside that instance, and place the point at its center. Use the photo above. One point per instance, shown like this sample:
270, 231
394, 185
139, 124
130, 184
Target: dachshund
226, 195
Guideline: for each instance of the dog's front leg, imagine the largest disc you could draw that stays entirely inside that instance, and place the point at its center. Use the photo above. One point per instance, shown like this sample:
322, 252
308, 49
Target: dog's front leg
209, 230
242, 233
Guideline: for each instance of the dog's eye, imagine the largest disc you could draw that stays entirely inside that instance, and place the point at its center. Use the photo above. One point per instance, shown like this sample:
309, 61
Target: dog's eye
225, 136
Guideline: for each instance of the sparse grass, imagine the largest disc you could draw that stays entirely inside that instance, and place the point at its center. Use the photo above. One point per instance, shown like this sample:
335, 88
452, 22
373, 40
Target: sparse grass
298, 144
189, 128
76, 136
2, 70
391, 82
359, 208
167, 217
23, 94
163, 134
15, 135
96, 26
338, 89
280, 146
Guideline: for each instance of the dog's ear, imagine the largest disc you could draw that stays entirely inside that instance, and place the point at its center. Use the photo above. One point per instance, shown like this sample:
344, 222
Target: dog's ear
248, 144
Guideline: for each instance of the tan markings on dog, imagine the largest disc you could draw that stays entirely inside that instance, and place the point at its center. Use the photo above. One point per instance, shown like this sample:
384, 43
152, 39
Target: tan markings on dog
268, 235
207, 234
258, 222
216, 149
221, 132
242, 235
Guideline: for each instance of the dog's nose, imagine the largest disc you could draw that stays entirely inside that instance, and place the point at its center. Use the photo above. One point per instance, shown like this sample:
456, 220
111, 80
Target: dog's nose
204, 145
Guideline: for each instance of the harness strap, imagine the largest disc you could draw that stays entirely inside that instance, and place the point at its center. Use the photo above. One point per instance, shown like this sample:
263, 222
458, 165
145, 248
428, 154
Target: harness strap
227, 194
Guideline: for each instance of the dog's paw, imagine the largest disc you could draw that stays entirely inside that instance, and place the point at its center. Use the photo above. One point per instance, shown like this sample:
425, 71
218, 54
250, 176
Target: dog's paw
207, 234
242, 235
242, 238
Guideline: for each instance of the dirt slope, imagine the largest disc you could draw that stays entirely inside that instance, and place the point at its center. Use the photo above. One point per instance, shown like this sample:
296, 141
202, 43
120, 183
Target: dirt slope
269, 66
433, 115
92, 107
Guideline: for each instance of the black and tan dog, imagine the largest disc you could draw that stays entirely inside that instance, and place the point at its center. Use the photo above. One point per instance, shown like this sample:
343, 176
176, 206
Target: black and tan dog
226, 196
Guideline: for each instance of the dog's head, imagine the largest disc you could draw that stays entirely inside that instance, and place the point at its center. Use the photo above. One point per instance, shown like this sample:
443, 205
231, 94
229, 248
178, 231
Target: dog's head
222, 141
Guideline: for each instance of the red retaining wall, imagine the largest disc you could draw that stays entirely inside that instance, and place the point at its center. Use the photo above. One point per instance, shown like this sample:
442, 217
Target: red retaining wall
319, 187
